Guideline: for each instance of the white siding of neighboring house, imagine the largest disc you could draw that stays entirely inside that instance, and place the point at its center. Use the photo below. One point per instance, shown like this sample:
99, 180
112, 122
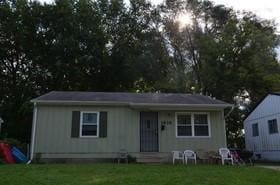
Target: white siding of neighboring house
267, 145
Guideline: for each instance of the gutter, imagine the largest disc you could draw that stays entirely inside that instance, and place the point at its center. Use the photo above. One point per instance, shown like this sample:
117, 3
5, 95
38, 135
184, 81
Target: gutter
34, 123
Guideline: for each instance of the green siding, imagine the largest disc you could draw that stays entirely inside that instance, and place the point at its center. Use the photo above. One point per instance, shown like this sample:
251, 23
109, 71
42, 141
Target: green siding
53, 133
169, 142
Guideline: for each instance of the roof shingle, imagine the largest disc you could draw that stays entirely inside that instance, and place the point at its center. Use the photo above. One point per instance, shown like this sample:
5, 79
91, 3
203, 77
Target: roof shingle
137, 98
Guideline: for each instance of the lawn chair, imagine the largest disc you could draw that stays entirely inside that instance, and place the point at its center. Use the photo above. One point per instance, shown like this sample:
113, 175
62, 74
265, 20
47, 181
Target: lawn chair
177, 155
123, 155
189, 155
225, 155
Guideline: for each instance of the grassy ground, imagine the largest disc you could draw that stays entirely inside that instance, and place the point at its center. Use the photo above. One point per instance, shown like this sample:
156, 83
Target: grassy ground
107, 174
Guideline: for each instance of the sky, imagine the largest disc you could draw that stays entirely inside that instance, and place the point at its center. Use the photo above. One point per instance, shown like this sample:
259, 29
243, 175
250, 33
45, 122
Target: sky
268, 9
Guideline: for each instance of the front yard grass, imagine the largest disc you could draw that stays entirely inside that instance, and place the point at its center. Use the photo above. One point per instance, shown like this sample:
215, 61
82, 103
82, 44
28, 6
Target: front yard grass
123, 174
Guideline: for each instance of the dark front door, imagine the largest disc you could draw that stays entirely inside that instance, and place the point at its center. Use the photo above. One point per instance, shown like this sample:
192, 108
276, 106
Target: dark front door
149, 132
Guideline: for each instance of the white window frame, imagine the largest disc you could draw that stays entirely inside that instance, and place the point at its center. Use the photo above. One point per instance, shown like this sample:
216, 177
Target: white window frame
276, 124
81, 124
192, 124
176, 121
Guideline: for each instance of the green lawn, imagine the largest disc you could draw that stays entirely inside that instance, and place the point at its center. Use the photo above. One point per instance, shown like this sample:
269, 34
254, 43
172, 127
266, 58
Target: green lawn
111, 174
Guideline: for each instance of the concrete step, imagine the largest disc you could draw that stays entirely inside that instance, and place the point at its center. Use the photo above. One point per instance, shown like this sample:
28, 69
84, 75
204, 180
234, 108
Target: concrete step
149, 158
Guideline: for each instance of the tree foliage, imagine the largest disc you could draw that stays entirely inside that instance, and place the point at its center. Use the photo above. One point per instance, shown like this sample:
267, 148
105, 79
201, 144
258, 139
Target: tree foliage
227, 53
112, 45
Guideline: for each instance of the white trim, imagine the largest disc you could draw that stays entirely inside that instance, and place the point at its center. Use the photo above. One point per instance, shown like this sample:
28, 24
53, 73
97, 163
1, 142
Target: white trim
179, 105
34, 123
176, 122
255, 123
192, 124
267, 123
81, 123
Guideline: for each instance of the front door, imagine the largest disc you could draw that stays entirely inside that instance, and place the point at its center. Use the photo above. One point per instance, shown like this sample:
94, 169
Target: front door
148, 131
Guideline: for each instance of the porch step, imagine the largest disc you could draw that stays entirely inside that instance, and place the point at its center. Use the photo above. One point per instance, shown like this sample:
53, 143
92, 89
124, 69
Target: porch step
149, 158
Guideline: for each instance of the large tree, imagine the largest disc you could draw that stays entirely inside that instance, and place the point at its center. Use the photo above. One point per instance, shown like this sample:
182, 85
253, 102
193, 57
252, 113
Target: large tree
74, 45
103, 45
228, 55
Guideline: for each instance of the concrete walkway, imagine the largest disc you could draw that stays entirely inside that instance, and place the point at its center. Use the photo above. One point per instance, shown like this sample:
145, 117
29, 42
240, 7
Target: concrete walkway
269, 167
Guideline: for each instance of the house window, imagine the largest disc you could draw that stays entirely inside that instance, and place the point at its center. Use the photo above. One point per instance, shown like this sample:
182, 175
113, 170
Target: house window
272, 126
184, 125
201, 127
192, 125
255, 130
89, 125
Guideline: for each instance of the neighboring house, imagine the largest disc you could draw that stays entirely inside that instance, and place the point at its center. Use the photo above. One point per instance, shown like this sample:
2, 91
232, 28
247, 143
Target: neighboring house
262, 128
97, 125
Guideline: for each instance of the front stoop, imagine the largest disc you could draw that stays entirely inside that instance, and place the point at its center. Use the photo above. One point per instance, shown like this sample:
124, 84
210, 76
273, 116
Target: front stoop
150, 158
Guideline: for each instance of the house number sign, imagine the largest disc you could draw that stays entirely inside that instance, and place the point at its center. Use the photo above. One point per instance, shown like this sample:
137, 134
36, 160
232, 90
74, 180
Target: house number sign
164, 123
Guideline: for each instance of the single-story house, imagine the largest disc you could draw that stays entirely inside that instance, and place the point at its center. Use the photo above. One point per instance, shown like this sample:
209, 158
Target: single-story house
262, 134
97, 125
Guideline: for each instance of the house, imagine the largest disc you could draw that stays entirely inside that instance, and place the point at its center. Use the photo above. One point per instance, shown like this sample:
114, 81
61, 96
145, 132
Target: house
262, 134
97, 125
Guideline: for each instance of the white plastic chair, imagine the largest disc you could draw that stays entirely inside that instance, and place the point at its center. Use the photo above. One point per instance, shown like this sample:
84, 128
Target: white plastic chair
123, 155
189, 155
177, 155
225, 155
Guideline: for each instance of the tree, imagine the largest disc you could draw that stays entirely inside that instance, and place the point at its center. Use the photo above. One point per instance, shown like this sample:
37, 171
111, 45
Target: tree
17, 30
224, 54
105, 45
74, 45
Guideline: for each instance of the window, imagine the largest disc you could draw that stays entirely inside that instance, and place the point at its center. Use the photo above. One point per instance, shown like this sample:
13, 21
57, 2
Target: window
255, 130
192, 125
184, 125
89, 124
272, 126
201, 125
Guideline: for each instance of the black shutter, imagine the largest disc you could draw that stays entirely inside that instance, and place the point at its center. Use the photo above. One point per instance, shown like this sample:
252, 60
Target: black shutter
103, 124
75, 131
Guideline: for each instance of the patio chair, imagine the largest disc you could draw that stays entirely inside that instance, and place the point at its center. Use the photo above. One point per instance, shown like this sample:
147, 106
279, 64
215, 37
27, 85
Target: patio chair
177, 155
123, 155
225, 155
189, 155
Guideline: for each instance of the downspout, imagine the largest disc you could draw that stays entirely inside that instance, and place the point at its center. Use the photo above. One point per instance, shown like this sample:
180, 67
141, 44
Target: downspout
34, 123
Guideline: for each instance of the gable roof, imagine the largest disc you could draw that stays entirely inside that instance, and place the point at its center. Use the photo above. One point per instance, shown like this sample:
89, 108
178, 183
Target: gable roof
260, 101
129, 98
